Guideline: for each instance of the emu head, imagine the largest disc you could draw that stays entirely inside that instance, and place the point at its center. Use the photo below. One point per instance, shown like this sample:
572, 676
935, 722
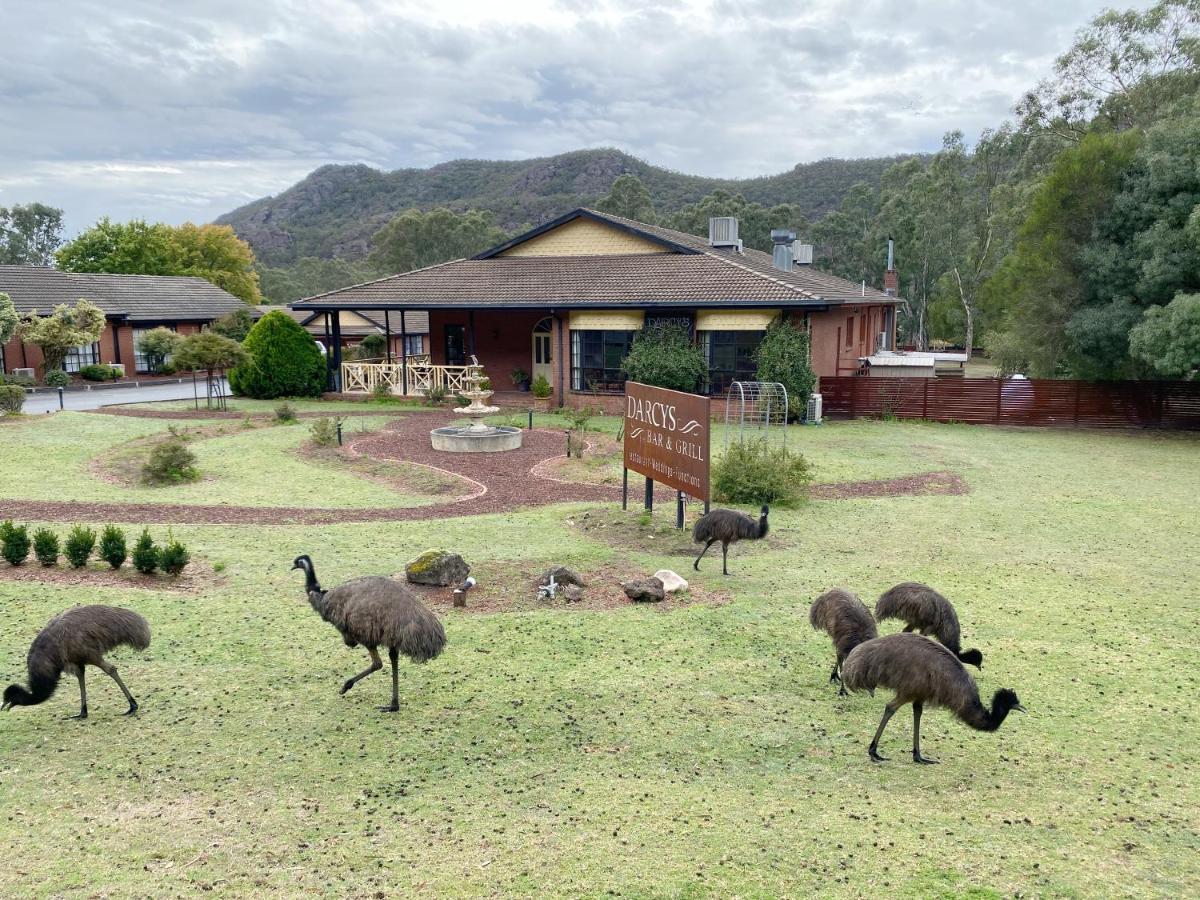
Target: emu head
972, 658
12, 696
304, 563
766, 509
1005, 700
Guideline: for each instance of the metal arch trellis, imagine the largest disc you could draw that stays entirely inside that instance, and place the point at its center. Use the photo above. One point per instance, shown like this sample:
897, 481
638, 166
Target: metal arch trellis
757, 408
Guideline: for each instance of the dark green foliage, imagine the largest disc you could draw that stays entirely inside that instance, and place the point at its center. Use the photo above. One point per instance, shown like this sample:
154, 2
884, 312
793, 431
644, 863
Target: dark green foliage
663, 355
1167, 341
174, 557
157, 345
783, 356
755, 473
629, 198
99, 373
310, 276
29, 234
285, 413
146, 555
324, 432
170, 462
435, 395
57, 378
415, 239
45, 546
112, 546
14, 543
284, 361
235, 325
541, 387
373, 346
12, 398
80, 543
755, 221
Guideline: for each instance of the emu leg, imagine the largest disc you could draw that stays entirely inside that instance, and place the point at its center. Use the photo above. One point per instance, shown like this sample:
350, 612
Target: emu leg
696, 564
111, 671
394, 658
375, 666
835, 676
724, 557
917, 757
82, 697
873, 750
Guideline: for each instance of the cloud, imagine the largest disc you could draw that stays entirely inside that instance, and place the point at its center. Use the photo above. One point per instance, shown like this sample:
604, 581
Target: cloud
185, 110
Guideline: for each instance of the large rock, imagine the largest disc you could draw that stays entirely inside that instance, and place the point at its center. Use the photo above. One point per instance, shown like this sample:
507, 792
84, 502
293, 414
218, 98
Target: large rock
671, 581
573, 593
645, 590
563, 576
437, 567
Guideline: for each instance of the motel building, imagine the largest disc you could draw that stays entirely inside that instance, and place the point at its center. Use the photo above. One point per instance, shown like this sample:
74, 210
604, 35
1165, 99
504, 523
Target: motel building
566, 300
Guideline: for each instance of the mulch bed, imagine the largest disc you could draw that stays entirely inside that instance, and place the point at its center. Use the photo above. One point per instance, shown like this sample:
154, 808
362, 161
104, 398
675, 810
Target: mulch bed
190, 581
188, 414
925, 484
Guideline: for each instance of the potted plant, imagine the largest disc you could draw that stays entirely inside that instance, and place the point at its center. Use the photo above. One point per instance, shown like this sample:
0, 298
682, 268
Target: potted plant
541, 394
520, 378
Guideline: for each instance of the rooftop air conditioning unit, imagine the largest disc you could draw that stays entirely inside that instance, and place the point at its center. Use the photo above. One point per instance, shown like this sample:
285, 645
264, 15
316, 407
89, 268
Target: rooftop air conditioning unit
723, 231
23, 373
812, 415
882, 344
802, 254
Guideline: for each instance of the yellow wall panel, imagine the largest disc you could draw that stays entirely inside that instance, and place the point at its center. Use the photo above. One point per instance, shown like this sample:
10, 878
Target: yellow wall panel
584, 237
735, 319
607, 319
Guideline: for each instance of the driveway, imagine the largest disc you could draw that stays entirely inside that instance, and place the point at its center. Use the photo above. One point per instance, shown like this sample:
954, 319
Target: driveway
47, 401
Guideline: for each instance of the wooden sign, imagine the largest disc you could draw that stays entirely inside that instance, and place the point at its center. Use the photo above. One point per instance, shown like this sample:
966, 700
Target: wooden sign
667, 437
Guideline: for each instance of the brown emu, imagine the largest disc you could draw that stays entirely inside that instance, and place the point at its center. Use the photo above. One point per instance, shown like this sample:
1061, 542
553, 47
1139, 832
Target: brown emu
925, 610
846, 619
924, 673
376, 612
72, 640
727, 526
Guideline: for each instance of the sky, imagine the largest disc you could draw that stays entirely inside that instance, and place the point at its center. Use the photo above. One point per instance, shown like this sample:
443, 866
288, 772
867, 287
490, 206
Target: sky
184, 110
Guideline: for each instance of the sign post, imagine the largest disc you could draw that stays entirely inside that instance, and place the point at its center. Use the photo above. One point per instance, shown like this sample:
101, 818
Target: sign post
667, 436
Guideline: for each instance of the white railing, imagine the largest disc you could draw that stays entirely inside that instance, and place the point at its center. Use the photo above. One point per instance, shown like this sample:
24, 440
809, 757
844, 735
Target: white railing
365, 378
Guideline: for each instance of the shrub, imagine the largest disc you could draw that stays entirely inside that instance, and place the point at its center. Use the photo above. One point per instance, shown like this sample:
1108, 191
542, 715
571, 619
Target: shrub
755, 473
145, 554
45, 546
80, 543
324, 432
170, 462
15, 543
461, 400
284, 361
12, 398
285, 413
663, 355
99, 373
157, 345
57, 378
373, 346
22, 380
174, 557
541, 387
519, 376
112, 546
235, 325
435, 396
783, 356
579, 419
382, 392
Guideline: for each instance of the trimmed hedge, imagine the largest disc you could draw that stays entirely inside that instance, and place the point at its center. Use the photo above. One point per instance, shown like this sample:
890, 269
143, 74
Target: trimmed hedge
80, 543
284, 361
146, 555
112, 546
15, 543
45, 546
12, 398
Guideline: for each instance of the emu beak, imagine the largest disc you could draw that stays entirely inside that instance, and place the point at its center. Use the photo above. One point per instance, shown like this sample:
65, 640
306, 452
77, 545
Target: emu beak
7, 705
1020, 708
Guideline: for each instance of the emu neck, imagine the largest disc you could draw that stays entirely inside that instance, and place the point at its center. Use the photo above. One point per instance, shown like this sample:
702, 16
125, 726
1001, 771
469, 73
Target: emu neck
310, 578
18, 696
763, 526
981, 718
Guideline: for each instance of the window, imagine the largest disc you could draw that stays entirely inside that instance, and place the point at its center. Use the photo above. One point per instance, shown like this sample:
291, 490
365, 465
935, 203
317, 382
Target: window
730, 356
142, 362
849, 331
596, 358
83, 355
3, 367
862, 330
456, 345
414, 345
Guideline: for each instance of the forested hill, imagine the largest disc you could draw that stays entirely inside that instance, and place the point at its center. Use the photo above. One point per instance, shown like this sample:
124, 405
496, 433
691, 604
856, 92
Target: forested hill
336, 209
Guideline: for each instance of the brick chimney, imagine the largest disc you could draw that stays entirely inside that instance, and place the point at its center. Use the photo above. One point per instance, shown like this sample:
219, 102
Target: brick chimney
891, 278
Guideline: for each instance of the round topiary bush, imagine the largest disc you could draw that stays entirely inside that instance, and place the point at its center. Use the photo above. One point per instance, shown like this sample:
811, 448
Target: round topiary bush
284, 361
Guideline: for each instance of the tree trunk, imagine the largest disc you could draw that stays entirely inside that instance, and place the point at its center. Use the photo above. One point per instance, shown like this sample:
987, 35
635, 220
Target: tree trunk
969, 339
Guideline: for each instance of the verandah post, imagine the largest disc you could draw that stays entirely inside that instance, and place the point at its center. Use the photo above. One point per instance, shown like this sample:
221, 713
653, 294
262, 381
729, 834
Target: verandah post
650, 494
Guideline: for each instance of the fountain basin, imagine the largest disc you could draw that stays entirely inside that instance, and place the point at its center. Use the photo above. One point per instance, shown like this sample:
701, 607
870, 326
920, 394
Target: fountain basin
467, 439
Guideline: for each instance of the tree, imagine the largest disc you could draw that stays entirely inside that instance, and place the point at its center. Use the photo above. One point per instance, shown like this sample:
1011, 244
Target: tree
282, 361
8, 319
215, 253
235, 325
755, 221
846, 242
65, 328
309, 276
783, 356
415, 239
30, 234
629, 198
1167, 340
213, 354
157, 344
662, 354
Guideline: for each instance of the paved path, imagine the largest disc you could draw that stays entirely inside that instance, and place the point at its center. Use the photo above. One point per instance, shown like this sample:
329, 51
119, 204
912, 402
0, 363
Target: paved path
47, 401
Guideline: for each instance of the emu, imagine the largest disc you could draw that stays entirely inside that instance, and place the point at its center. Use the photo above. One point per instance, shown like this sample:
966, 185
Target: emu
727, 526
846, 619
376, 612
72, 640
925, 610
924, 673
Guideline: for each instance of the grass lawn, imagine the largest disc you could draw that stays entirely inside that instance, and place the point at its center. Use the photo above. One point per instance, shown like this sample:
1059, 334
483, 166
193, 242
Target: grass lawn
696, 753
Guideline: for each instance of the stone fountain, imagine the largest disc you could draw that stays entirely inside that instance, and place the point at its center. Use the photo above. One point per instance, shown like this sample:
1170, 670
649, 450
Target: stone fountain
475, 437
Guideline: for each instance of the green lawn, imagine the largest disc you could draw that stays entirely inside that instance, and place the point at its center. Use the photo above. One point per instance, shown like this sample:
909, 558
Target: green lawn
699, 753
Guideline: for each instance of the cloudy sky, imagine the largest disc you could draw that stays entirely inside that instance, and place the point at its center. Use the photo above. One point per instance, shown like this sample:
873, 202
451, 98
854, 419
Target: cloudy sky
184, 110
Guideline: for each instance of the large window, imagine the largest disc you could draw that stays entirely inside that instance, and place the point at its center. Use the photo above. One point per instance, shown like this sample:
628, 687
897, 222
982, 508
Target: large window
83, 355
730, 356
596, 358
414, 345
141, 361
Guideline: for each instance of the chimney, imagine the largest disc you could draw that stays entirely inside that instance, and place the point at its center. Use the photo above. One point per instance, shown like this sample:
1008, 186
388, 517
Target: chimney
802, 254
723, 231
891, 278
781, 253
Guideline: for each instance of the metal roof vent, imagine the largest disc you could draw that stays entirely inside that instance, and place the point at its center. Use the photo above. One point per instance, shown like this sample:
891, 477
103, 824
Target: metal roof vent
723, 231
781, 252
802, 254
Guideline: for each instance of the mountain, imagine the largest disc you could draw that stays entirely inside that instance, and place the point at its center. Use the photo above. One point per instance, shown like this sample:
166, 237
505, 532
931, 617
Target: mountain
335, 210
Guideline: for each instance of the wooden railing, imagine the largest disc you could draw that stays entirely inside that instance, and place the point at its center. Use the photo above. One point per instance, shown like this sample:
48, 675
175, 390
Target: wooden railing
365, 378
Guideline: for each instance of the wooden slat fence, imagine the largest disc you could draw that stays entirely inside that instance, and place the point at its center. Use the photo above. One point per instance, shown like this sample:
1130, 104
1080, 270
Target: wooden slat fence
995, 401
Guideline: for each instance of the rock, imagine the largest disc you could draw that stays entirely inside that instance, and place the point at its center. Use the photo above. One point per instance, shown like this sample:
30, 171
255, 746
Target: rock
437, 567
671, 581
563, 576
573, 593
645, 590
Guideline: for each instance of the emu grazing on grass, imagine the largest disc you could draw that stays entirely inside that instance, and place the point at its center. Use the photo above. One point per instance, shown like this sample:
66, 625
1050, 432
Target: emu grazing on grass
376, 612
72, 640
727, 526
921, 672
925, 610
847, 620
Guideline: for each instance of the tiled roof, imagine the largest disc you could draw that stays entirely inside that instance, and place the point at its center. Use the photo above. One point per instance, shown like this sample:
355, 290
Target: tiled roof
170, 298
415, 322
696, 275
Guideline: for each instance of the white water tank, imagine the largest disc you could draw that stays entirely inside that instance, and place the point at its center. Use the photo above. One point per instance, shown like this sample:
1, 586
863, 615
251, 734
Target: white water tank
812, 415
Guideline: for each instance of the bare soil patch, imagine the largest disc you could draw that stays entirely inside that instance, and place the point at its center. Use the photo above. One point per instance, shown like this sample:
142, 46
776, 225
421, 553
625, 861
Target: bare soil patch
924, 484
402, 477
194, 578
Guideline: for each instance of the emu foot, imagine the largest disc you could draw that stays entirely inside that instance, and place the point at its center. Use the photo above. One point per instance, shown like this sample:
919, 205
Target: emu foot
833, 676
345, 687
81, 715
923, 760
132, 711
391, 707
874, 754
842, 692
